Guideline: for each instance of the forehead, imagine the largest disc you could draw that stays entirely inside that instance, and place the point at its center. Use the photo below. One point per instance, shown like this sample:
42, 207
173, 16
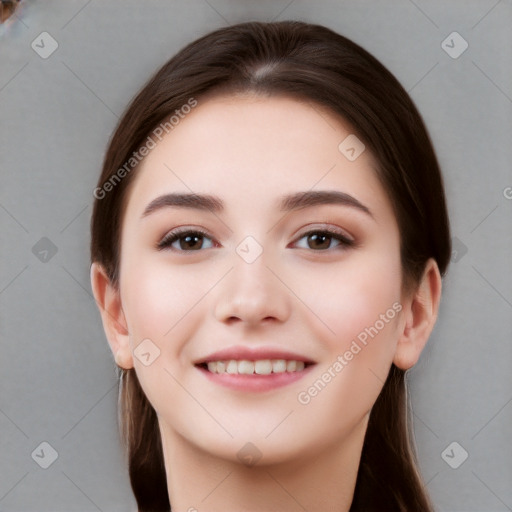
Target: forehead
250, 147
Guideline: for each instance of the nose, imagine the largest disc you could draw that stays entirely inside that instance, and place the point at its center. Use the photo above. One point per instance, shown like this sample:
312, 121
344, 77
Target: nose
253, 293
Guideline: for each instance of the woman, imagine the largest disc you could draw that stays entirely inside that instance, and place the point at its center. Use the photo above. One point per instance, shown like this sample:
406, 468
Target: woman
268, 240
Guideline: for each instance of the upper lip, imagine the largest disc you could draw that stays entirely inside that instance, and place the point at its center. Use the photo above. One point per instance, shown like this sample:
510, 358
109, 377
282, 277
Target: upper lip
240, 353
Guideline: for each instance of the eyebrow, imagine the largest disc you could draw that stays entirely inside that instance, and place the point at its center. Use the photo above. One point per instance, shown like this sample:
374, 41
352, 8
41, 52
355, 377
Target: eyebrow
288, 203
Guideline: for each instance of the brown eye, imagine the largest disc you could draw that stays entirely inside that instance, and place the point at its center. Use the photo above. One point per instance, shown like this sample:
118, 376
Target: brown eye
320, 240
187, 241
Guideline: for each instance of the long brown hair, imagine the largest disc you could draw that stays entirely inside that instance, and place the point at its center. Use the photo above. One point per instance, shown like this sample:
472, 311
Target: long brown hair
312, 63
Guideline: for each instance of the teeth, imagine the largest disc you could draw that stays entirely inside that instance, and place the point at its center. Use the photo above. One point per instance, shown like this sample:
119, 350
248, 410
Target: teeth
232, 367
278, 366
245, 367
263, 367
260, 367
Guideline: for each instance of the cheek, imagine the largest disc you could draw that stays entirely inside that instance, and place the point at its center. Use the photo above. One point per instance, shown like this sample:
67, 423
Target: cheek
158, 303
158, 298
362, 312
359, 311
353, 298
164, 305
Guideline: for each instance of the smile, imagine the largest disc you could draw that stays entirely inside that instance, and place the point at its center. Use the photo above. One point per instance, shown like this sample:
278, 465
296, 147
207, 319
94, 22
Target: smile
258, 367
254, 376
254, 369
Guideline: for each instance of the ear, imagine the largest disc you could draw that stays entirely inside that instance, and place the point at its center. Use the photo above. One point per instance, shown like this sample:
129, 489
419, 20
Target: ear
114, 323
420, 313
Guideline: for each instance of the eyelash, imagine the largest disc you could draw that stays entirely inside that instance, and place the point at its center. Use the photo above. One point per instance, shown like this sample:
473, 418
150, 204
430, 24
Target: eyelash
175, 235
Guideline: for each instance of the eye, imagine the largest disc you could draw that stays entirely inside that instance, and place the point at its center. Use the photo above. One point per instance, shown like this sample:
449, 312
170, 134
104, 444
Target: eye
188, 240
320, 239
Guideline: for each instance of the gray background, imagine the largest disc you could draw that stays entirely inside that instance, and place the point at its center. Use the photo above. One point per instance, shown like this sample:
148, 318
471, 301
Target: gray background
57, 374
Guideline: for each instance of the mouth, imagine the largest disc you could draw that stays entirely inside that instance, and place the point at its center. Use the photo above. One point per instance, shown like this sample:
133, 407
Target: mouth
251, 370
254, 367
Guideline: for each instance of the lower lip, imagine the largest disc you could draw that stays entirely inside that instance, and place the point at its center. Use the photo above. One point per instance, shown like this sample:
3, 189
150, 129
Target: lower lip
255, 382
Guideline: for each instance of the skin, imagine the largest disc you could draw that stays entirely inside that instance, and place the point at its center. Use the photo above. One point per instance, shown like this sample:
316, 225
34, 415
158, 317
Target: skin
249, 151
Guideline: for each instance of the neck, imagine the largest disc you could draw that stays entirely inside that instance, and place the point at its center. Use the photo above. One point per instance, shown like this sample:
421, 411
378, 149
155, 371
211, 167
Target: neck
201, 482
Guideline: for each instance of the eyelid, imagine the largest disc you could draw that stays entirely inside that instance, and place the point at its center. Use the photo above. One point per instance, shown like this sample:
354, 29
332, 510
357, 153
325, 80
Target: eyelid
326, 227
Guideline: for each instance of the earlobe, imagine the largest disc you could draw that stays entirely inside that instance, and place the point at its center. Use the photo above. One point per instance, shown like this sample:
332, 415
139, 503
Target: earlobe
108, 300
420, 315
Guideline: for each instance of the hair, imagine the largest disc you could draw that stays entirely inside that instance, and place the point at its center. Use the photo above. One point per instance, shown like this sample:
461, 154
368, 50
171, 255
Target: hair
314, 64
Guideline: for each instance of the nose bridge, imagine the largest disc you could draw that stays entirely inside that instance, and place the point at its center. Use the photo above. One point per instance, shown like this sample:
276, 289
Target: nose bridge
252, 292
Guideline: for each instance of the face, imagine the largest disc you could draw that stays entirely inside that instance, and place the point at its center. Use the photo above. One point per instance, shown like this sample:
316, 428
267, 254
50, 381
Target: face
292, 259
